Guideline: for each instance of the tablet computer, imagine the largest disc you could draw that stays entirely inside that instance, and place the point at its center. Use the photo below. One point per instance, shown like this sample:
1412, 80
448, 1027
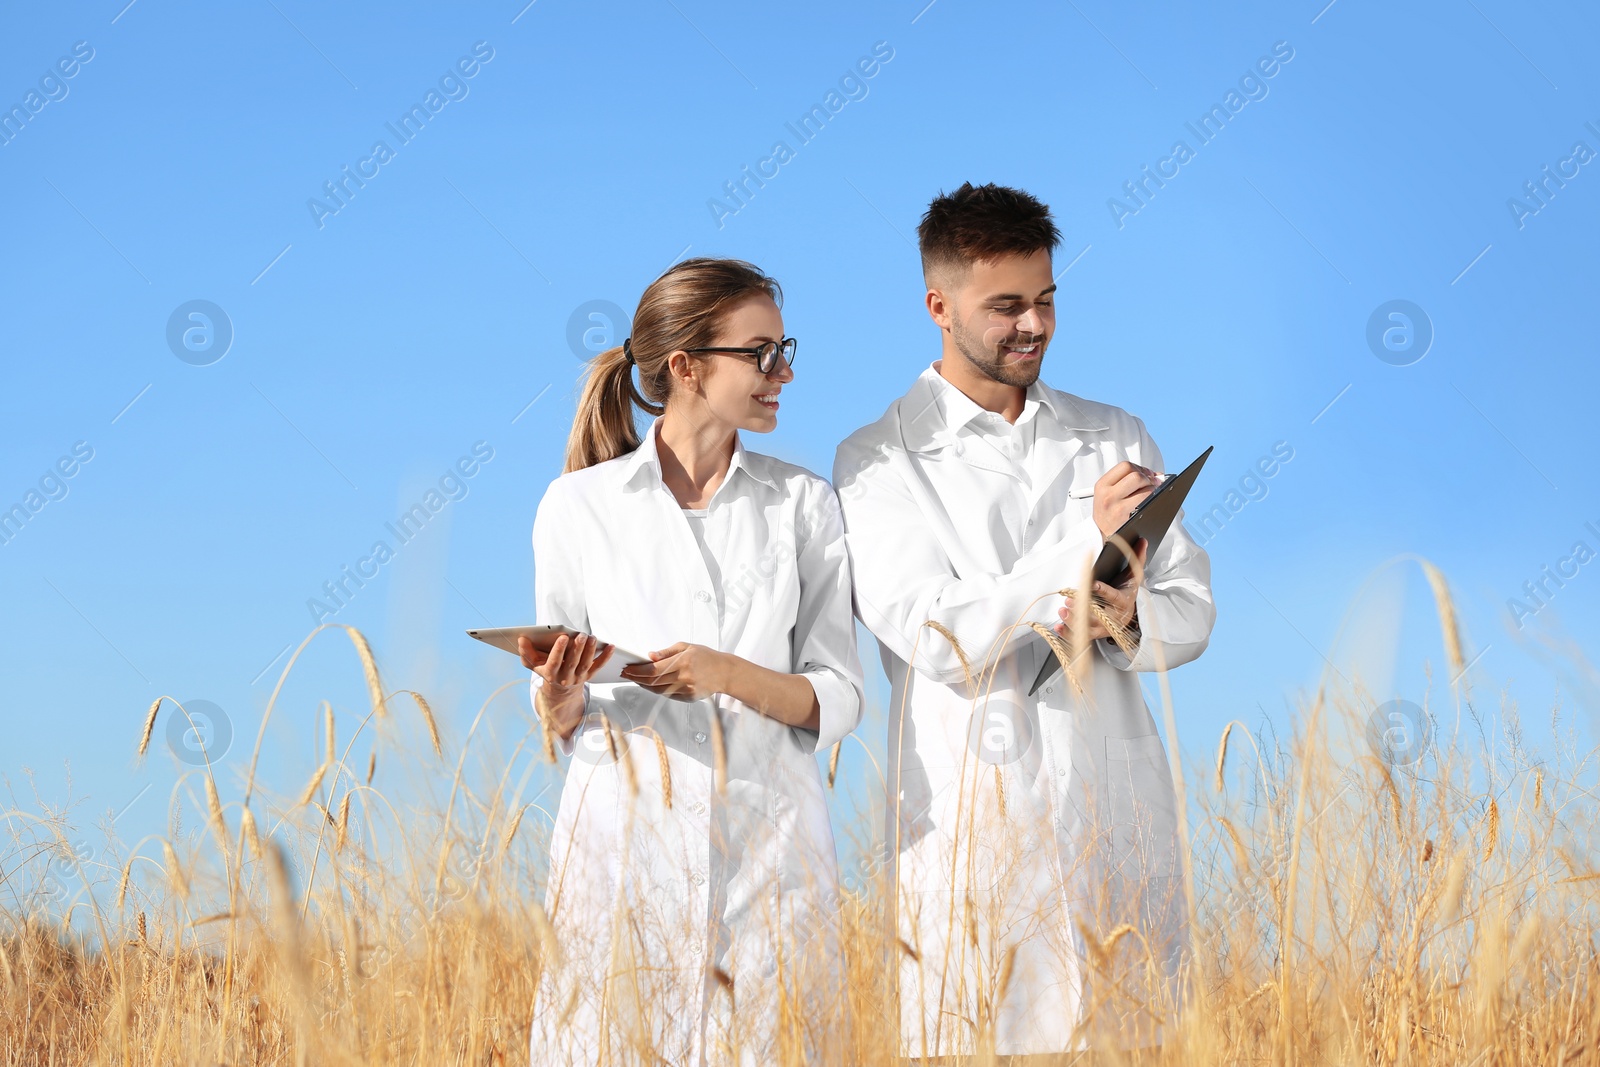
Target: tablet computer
1150, 520
544, 638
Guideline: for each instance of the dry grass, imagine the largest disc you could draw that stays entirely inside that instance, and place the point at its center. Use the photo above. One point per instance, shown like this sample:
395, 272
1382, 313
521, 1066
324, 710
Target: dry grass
1348, 913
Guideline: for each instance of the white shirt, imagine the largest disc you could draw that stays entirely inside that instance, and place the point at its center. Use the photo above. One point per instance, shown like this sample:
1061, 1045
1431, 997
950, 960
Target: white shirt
704, 884
1013, 815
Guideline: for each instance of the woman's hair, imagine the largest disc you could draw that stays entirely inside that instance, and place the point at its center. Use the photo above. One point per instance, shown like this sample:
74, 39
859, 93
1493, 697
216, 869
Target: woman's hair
684, 308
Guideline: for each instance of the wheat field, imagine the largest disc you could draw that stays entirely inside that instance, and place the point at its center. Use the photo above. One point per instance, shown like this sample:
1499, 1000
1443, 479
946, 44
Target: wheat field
1345, 911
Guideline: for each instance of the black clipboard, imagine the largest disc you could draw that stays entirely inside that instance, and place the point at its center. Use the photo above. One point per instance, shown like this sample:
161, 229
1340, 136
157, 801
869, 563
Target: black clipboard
1150, 520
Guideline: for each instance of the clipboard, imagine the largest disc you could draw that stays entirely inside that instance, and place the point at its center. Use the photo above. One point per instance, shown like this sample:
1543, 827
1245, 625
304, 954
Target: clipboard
1150, 520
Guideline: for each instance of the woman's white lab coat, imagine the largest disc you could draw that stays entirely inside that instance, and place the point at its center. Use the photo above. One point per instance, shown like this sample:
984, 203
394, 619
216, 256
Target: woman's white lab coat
681, 910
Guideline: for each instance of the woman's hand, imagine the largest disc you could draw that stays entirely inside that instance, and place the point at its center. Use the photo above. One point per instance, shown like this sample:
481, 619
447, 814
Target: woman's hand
565, 668
683, 672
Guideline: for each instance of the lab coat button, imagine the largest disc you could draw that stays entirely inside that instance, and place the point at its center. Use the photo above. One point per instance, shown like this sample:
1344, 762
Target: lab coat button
699, 808
699, 879
702, 596
699, 737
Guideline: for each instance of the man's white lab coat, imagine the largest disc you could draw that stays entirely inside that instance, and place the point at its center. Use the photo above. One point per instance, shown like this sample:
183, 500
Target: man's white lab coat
1017, 823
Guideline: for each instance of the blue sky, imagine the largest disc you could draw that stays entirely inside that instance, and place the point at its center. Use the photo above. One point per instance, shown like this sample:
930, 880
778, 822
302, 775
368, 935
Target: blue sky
375, 347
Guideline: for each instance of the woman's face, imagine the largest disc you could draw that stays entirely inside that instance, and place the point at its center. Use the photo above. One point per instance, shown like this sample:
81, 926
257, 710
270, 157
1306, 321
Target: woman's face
735, 390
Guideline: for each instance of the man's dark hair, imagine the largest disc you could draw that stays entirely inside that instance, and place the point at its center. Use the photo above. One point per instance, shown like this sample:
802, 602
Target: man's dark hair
982, 222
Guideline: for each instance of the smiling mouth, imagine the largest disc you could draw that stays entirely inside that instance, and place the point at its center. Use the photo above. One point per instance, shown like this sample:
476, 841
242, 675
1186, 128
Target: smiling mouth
768, 400
1030, 350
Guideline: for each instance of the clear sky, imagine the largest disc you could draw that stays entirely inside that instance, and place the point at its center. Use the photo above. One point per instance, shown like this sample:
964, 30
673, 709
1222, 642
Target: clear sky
355, 346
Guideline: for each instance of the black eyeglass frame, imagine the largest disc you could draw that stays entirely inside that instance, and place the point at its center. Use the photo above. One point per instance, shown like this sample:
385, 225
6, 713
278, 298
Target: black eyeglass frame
766, 353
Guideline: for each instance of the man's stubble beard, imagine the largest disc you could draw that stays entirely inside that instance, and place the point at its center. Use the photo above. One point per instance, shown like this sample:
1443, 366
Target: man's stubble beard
990, 363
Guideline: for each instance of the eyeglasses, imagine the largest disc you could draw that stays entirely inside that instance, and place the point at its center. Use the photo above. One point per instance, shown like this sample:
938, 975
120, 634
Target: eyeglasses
766, 353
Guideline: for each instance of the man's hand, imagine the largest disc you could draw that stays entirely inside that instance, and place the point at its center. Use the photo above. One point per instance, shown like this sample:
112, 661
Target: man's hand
682, 671
565, 668
1118, 492
1120, 600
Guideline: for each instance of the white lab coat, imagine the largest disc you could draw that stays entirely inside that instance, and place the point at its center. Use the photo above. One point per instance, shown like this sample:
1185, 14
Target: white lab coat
1017, 822
650, 901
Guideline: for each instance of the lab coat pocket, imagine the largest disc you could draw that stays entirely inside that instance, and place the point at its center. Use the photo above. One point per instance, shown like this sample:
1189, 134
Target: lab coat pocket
1141, 810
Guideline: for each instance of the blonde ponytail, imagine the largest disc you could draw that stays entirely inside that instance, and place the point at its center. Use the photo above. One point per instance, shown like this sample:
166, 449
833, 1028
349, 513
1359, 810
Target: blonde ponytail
681, 309
604, 428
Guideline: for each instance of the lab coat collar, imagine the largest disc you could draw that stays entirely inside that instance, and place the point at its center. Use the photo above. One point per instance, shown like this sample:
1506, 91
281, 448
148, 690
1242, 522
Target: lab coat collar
646, 458
933, 411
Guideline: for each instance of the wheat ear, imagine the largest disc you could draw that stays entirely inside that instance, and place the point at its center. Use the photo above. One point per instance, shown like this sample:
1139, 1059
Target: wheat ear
149, 725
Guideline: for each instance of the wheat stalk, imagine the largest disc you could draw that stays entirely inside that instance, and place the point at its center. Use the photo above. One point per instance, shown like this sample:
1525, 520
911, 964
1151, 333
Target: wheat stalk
344, 822
666, 771
329, 749
833, 761
427, 717
1121, 636
621, 753
719, 751
1491, 835
725, 981
311, 787
1007, 967
511, 828
961, 654
546, 730
1222, 755
213, 803
369, 668
1455, 880
1240, 856
1100, 951
122, 883
372, 765
247, 823
149, 725
1063, 654
175, 875
1447, 619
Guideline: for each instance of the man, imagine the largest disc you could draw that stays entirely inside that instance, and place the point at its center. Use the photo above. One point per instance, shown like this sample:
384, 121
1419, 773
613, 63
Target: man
1026, 831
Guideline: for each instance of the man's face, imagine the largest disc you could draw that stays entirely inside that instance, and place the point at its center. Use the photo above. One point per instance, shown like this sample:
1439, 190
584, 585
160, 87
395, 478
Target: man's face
1002, 316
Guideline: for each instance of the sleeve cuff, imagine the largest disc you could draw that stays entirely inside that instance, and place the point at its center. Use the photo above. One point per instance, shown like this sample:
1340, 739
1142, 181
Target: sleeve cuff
1143, 657
838, 706
564, 745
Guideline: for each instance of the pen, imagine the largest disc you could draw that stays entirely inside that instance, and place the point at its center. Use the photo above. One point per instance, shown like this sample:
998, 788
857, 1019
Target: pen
1156, 476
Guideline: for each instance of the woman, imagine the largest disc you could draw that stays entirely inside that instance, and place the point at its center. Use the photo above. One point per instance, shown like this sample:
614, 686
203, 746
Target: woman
692, 882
